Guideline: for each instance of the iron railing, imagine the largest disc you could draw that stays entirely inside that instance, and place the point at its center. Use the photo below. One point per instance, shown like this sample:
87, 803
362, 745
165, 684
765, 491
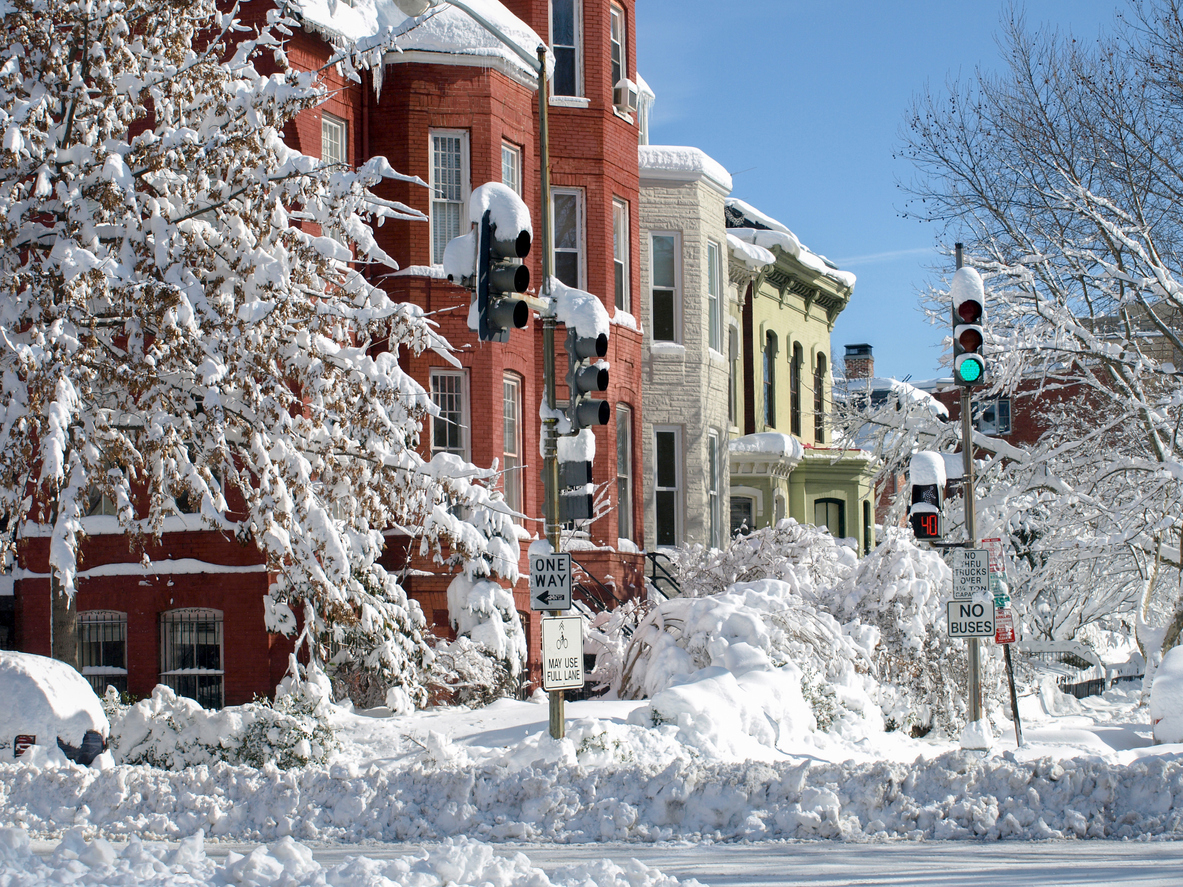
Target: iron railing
660, 578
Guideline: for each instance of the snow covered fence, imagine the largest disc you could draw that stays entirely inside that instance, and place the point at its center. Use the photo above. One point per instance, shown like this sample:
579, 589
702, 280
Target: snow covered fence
956, 795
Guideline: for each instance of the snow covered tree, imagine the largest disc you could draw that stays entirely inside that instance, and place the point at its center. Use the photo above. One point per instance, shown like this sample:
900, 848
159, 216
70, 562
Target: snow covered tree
177, 325
1062, 176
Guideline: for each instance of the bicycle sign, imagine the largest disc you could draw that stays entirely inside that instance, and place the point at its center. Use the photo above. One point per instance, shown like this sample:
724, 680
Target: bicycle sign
562, 653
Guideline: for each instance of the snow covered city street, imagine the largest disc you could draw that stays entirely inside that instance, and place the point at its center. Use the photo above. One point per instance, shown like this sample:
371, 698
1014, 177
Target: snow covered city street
431, 456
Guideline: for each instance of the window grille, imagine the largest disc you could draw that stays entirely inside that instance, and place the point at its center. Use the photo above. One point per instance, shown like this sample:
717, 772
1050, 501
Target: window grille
102, 649
191, 655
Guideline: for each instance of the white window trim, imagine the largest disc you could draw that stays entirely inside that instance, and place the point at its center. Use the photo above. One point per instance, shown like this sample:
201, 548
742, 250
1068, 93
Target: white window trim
715, 303
516, 153
512, 477
678, 294
465, 181
581, 91
581, 229
628, 477
330, 126
679, 489
465, 413
616, 13
620, 210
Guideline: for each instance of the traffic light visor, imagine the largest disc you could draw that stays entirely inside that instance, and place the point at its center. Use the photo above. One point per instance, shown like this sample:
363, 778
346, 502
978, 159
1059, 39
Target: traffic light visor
970, 337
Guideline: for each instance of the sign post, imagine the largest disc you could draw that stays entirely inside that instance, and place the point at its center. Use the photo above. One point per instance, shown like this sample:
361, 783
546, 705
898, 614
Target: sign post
1005, 635
550, 591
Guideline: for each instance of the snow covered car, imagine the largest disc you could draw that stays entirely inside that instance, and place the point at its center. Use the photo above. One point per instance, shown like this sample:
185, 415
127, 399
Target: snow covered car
1166, 698
47, 703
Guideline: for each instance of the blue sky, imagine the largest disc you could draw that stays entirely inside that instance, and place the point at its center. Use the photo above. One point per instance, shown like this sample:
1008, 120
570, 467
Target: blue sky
804, 102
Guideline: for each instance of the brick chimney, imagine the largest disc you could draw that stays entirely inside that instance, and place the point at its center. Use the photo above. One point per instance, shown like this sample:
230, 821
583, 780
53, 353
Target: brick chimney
860, 362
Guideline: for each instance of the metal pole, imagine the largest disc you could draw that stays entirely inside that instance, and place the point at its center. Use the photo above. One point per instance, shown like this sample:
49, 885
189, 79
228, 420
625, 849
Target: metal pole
967, 491
550, 462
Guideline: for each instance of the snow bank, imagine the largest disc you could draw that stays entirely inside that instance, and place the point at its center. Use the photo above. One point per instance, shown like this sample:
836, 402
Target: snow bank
952, 795
286, 863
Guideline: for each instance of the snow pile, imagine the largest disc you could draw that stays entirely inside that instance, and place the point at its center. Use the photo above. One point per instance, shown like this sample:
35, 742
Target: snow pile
47, 699
614, 784
287, 863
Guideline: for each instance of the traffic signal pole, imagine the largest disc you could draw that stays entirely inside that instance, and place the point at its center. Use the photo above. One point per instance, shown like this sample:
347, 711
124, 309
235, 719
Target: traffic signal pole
967, 491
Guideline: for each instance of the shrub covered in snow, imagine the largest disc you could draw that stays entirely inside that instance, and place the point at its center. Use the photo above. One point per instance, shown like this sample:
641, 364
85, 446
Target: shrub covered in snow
757, 649
806, 557
172, 732
899, 591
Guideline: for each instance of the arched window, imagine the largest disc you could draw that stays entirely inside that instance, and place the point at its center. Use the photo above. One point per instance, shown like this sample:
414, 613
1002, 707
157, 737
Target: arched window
770, 380
191, 654
819, 400
795, 390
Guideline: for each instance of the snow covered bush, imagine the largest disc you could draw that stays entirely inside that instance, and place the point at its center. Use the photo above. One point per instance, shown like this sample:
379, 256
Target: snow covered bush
740, 658
899, 592
172, 732
487, 657
805, 556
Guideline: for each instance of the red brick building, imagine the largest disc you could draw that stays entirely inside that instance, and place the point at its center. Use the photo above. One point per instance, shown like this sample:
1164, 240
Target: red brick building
457, 116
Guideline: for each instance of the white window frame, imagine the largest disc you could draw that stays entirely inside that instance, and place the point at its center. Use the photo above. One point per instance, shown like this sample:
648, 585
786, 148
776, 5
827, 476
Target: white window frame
458, 387
676, 489
624, 471
511, 167
677, 296
334, 139
577, 49
580, 250
714, 298
997, 428
457, 199
617, 44
511, 445
620, 254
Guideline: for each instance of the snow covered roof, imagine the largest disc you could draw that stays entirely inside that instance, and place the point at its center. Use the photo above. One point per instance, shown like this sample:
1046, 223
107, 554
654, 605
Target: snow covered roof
768, 445
881, 389
443, 35
682, 164
752, 226
752, 256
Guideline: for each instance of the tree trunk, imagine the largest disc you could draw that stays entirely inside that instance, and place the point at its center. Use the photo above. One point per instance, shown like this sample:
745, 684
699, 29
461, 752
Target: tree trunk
64, 624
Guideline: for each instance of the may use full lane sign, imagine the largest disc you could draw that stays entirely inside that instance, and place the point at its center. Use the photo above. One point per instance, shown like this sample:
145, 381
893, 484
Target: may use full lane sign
562, 653
550, 581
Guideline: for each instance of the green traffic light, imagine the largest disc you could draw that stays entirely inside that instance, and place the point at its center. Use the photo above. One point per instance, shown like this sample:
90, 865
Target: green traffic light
970, 370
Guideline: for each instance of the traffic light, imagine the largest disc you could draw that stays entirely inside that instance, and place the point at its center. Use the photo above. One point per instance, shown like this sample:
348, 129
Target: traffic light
575, 491
584, 377
927, 478
498, 279
969, 322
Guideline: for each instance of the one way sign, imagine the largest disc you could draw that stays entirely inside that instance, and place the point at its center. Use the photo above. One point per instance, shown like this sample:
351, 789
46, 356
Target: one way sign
550, 581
